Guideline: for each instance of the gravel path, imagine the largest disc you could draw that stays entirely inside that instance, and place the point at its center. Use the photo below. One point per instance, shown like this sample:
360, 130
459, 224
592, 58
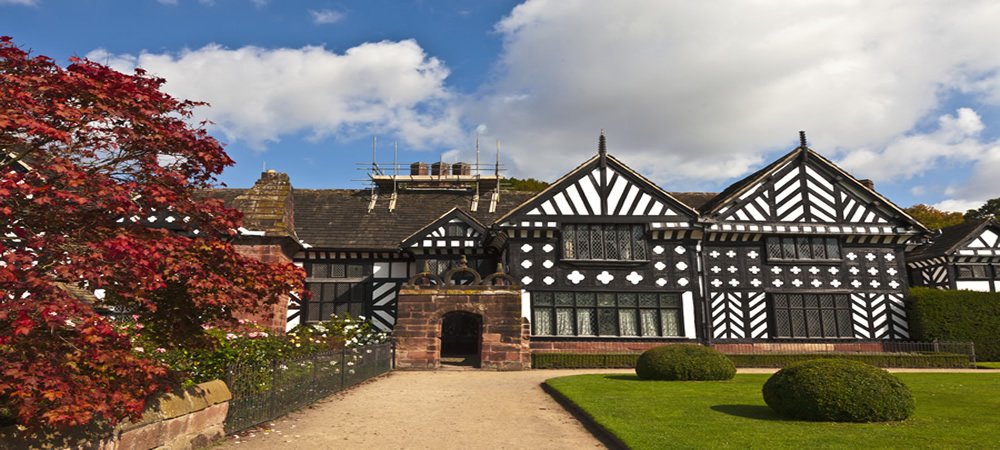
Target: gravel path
444, 409
432, 409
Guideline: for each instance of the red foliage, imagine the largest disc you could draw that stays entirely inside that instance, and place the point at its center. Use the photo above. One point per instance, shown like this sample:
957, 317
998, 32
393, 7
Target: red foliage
105, 148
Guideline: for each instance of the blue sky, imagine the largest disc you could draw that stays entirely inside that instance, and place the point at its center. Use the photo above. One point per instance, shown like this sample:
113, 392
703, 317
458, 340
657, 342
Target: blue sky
694, 95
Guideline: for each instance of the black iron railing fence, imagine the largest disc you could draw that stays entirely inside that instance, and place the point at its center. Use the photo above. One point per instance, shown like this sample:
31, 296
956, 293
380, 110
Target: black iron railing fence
266, 390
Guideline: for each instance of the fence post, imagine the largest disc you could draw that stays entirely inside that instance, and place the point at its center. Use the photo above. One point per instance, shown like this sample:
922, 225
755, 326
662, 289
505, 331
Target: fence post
972, 349
343, 368
937, 347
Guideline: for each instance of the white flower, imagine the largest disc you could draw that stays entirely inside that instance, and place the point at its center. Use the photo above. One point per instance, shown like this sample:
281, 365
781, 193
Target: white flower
70, 323
139, 349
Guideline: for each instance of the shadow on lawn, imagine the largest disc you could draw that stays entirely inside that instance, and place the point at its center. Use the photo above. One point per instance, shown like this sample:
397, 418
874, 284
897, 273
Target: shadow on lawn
759, 412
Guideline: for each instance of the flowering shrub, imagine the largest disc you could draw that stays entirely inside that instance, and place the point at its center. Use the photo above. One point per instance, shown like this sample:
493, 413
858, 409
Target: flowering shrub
248, 342
338, 332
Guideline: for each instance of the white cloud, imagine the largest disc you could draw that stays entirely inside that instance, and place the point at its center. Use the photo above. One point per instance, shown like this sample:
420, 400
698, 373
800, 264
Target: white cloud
956, 139
258, 95
684, 87
20, 2
326, 16
168, 2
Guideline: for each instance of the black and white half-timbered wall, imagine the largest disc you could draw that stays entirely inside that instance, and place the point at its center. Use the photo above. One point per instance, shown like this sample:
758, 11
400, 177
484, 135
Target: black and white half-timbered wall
964, 256
799, 250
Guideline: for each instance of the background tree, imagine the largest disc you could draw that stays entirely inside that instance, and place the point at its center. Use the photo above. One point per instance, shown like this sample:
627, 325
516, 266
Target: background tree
934, 218
990, 209
106, 149
528, 184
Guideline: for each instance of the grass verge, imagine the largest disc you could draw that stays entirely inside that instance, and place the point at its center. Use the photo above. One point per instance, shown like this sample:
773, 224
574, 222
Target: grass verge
953, 411
988, 365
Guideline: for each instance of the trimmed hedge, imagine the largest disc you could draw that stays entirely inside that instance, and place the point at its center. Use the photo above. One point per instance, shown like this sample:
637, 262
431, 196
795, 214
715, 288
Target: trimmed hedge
838, 390
684, 362
957, 316
583, 360
929, 360
627, 361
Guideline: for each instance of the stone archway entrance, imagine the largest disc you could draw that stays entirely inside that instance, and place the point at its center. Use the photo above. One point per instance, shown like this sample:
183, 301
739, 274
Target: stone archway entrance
436, 318
461, 338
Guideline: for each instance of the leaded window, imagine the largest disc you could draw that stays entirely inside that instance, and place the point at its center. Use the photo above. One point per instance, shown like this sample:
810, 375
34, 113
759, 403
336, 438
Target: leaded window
618, 242
337, 288
803, 247
974, 272
619, 314
812, 316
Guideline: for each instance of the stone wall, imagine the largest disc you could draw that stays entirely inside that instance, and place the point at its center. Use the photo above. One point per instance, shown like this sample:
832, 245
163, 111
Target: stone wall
187, 419
504, 343
269, 250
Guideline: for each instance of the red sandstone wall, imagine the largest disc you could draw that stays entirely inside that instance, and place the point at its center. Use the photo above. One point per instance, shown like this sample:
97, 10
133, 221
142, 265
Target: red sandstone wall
418, 326
276, 316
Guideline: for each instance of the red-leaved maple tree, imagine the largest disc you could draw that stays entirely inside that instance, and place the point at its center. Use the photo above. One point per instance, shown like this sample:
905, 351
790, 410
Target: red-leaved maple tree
85, 152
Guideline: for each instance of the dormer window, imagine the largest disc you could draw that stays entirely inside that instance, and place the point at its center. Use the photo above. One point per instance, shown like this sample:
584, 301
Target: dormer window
614, 242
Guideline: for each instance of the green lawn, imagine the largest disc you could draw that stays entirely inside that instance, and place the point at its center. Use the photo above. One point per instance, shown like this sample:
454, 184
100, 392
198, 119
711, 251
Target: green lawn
988, 365
954, 410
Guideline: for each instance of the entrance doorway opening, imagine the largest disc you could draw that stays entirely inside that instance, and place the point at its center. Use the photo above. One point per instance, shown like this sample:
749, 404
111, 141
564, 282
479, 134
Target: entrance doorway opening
461, 338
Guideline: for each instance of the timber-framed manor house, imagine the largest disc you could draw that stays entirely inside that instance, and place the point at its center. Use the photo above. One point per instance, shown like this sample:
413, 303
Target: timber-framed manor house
602, 260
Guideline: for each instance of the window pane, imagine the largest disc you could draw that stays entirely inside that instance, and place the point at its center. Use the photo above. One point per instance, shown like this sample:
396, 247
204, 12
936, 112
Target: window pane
782, 326
627, 299
670, 300
638, 243
795, 301
650, 325
569, 241
608, 322
773, 247
788, 248
605, 299
818, 249
320, 270
780, 301
829, 323
805, 250
541, 298
826, 301
647, 300
564, 299
813, 327
811, 301
314, 313
355, 271
583, 241
797, 318
629, 324
979, 271
585, 324
617, 245
844, 324
338, 270
670, 319
543, 321
586, 299
564, 322
833, 248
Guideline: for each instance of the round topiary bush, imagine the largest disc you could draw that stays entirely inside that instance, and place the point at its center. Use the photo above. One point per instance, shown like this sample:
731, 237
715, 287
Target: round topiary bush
684, 362
838, 390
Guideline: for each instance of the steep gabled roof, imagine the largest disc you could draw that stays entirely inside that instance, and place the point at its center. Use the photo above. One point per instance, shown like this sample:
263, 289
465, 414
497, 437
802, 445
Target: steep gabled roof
602, 187
804, 187
339, 218
979, 233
